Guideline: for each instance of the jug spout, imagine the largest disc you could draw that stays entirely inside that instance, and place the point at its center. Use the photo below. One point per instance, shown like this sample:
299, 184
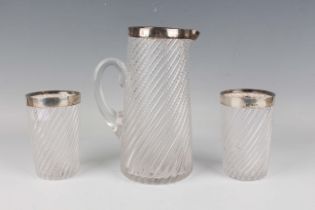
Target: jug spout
162, 32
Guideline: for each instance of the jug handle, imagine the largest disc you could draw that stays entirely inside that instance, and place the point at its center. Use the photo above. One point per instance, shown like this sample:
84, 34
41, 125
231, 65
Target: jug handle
113, 118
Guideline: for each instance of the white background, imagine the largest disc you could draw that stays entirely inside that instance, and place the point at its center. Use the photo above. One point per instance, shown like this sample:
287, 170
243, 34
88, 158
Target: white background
258, 44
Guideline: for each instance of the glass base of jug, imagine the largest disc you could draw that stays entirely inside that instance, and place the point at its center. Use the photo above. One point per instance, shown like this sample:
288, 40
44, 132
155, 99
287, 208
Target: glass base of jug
149, 180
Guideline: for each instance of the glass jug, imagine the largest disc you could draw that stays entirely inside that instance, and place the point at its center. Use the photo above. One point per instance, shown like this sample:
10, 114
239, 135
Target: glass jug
155, 125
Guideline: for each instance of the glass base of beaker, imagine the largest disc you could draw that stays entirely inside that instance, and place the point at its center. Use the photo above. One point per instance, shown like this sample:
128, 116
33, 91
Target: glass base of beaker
243, 177
65, 174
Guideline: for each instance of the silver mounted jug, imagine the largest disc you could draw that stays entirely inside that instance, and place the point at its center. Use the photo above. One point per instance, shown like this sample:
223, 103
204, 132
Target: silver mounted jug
155, 125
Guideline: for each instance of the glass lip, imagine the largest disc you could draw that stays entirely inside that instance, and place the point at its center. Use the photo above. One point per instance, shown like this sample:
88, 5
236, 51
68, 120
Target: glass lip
162, 32
53, 98
247, 98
